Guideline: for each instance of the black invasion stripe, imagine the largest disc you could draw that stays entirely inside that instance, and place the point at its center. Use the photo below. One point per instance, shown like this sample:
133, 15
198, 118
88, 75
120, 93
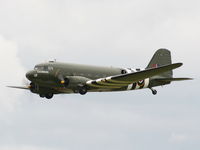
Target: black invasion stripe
134, 86
115, 82
94, 82
124, 88
97, 84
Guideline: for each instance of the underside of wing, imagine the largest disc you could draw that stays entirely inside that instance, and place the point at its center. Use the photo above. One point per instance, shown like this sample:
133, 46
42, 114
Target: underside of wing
119, 81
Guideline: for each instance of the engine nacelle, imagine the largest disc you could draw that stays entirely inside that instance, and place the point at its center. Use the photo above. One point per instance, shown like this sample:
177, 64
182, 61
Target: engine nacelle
75, 81
34, 88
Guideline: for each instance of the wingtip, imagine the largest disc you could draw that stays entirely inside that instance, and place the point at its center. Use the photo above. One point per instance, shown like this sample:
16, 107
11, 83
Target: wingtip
19, 87
179, 64
190, 79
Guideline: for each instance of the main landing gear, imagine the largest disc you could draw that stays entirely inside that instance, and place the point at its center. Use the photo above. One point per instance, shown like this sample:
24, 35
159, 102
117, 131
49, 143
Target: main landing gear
48, 96
154, 92
82, 90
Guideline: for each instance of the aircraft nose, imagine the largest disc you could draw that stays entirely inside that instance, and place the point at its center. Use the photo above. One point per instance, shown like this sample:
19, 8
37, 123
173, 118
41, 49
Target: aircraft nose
30, 75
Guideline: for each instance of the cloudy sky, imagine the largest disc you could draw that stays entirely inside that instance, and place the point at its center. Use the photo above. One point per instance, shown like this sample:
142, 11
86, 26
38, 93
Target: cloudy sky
108, 33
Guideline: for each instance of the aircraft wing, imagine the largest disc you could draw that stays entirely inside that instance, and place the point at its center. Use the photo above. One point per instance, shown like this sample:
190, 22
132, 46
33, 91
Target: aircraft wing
20, 87
119, 81
172, 79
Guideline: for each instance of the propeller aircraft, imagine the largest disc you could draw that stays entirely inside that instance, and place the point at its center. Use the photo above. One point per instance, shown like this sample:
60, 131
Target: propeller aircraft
48, 79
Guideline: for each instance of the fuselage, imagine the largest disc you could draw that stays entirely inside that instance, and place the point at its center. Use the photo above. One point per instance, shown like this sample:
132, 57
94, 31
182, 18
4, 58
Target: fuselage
48, 77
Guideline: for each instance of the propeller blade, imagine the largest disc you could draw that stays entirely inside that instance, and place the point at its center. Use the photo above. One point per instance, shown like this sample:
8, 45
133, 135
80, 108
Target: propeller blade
25, 82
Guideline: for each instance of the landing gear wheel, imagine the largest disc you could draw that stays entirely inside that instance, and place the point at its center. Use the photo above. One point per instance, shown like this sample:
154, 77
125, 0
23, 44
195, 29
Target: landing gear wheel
82, 90
49, 95
154, 92
42, 95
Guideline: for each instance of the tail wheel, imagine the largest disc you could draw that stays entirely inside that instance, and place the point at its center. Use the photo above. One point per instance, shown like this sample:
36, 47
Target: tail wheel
154, 92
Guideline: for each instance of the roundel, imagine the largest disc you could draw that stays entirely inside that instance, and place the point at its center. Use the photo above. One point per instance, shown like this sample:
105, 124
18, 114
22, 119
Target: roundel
141, 83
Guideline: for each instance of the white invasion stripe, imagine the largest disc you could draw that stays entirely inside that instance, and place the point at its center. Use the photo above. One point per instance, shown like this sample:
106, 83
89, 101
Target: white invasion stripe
89, 82
131, 70
122, 82
115, 81
130, 86
98, 85
112, 84
109, 83
119, 82
127, 70
108, 78
146, 83
103, 87
99, 80
102, 83
137, 86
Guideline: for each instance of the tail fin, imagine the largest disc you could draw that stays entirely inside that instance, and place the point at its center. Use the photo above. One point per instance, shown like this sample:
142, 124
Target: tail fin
160, 58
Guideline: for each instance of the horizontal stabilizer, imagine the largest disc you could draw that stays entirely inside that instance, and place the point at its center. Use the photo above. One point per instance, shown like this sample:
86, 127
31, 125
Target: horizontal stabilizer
134, 77
129, 78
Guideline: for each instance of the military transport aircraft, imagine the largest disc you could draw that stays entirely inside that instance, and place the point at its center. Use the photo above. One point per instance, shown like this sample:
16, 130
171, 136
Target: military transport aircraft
54, 77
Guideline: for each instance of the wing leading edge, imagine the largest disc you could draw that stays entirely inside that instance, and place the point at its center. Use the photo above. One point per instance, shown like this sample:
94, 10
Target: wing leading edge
20, 87
119, 81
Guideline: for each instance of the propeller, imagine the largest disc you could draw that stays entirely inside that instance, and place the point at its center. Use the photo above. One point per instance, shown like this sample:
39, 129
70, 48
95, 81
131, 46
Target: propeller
25, 82
62, 80
26, 86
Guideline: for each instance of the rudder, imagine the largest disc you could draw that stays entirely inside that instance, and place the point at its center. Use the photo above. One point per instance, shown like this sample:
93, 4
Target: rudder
160, 58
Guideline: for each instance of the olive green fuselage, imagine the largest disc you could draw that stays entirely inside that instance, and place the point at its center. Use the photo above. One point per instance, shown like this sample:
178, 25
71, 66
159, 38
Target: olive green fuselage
47, 77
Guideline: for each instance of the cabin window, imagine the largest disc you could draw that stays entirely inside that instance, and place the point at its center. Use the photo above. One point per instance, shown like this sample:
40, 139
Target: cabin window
123, 71
138, 69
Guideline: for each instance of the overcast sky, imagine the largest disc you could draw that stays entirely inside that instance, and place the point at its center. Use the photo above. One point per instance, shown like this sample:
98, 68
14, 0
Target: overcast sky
108, 33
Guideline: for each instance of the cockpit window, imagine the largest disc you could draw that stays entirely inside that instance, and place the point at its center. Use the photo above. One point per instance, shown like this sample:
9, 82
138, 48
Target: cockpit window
43, 68
39, 68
